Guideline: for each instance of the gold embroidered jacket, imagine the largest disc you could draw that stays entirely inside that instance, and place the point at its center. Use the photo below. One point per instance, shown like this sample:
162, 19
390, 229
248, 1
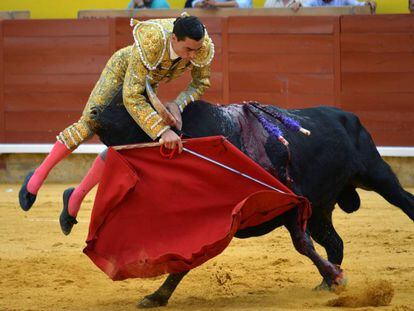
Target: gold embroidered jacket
150, 55
128, 69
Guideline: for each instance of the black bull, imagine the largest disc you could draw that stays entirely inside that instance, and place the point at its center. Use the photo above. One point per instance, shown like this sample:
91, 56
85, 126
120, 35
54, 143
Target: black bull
325, 167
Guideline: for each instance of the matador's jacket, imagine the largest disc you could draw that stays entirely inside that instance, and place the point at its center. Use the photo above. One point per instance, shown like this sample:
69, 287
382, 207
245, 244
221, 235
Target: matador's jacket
127, 70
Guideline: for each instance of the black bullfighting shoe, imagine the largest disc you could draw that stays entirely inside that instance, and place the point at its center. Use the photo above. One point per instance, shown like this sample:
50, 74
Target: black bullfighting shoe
26, 199
66, 220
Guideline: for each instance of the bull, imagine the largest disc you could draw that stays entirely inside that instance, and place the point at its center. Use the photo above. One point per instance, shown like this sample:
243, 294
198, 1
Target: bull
325, 167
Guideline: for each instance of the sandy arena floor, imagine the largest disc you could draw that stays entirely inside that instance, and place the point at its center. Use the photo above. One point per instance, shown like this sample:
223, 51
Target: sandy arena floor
41, 269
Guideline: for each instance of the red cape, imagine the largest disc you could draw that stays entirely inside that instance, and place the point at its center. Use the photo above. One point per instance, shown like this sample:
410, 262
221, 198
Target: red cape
154, 215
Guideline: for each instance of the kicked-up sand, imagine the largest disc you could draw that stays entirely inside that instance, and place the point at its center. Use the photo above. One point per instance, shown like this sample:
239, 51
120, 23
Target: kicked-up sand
41, 269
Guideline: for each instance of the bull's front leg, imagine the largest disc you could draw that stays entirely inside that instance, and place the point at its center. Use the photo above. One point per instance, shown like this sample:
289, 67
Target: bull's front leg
161, 295
331, 273
323, 232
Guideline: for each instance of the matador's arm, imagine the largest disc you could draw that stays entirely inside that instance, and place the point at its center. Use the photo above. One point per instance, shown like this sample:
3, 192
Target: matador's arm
199, 84
135, 102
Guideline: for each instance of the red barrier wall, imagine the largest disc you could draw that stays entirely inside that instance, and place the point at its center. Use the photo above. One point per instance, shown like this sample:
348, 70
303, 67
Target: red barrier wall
377, 75
363, 64
288, 61
49, 69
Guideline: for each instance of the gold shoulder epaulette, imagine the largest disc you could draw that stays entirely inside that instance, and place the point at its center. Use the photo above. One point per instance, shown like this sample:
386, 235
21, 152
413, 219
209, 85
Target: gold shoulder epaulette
206, 53
151, 42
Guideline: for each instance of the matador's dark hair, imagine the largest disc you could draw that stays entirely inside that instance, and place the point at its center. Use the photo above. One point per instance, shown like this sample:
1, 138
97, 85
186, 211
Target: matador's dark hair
189, 27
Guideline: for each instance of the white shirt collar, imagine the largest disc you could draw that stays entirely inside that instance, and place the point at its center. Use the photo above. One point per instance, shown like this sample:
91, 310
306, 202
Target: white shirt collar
173, 55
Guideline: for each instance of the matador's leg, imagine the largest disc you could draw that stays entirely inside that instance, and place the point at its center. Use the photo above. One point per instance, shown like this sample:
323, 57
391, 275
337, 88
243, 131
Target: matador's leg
69, 139
73, 197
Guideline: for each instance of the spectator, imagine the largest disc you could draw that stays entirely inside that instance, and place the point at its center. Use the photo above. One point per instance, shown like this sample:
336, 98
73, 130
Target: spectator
310, 3
243, 4
148, 4
411, 6
293, 4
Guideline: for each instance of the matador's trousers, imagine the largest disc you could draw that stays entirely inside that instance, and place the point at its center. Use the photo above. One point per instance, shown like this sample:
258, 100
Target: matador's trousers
109, 84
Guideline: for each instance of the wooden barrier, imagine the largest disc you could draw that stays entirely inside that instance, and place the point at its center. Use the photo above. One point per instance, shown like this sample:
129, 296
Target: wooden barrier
50, 67
287, 61
359, 63
2, 105
377, 75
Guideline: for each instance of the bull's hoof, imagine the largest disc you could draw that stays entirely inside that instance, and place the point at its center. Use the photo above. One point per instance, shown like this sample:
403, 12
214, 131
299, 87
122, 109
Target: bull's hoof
152, 301
323, 286
26, 199
339, 285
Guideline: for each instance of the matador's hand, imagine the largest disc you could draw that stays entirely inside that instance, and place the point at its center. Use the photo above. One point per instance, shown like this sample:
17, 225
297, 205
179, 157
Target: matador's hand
170, 140
175, 111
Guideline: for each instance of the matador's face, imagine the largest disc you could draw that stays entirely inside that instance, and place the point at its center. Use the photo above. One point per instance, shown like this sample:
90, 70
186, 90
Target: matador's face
187, 48
411, 6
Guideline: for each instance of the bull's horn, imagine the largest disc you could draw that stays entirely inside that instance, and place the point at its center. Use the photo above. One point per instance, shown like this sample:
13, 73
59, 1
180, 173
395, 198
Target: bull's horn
166, 116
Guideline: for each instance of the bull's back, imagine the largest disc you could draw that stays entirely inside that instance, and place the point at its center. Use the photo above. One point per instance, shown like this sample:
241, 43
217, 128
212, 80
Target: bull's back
332, 157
